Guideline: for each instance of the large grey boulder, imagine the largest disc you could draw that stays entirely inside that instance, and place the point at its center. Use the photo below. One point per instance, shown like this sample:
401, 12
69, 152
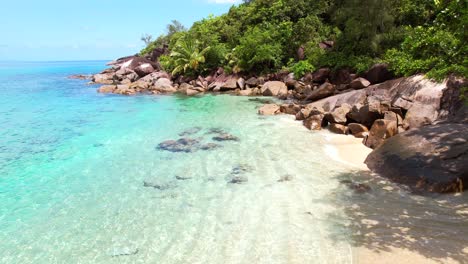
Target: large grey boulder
107, 89
103, 78
338, 115
135, 62
380, 131
274, 88
432, 158
314, 121
164, 85
378, 73
325, 90
144, 69
359, 83
269, 109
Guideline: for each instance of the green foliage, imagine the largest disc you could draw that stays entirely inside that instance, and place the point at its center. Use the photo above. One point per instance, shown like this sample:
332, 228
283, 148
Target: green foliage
301, 68
363, 22
187, 56
261, 47
438, 48
261, 36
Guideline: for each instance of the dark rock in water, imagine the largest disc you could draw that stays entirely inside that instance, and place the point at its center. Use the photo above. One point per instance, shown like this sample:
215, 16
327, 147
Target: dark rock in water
261, 101
357, 187
210, 146
432, 158
286, 178
216, 130
225, 137
238, 180
241, 168
80, 77
183, 178
98, 145
158, 185
181, 145
124, 252
190, 131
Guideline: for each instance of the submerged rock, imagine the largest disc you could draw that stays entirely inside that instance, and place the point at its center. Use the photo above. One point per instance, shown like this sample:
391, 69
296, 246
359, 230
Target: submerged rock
286, 178
261, 100
123, 252
183, 178
80, 77
225, 137
216, 130
238, 179
181, 145
241, 168
357, 187
210, 146
190, 131
159, 185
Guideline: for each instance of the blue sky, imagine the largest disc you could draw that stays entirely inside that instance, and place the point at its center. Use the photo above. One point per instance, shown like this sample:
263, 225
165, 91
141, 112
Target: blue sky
35, 30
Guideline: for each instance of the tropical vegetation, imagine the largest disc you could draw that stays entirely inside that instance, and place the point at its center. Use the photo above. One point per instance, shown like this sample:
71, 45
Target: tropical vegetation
261, 36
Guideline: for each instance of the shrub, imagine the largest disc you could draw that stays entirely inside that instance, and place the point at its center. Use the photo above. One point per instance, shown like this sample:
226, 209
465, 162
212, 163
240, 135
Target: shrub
301, 68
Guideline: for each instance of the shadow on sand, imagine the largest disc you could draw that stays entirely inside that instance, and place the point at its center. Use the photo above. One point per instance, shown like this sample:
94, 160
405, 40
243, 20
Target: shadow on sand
389, 216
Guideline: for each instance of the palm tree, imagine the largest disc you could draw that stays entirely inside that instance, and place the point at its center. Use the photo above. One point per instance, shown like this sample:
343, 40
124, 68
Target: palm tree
187, 55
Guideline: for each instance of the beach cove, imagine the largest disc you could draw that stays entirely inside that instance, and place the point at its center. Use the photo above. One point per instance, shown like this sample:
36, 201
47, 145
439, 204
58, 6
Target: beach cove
83, 178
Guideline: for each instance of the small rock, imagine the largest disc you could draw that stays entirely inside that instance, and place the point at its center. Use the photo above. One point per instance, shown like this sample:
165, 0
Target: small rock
358, 130
338, 129
274, 88
241, 168
290, 109
107, 89
124, 252
159, 186
359, 83
182, 178
314, 122
357, 187
238, 180
216, 130
210, 146
181, 145
286, 178
269, 109
338, 115
190, 131
381, 130
225, 137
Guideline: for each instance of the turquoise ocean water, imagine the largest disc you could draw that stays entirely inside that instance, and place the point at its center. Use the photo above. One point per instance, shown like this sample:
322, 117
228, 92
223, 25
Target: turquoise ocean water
74, 163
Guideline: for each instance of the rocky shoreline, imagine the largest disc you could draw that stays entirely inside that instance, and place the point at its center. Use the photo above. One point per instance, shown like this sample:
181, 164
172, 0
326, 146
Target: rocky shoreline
418, 128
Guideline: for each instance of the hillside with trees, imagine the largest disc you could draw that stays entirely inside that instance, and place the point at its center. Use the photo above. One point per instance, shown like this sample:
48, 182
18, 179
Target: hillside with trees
264, 36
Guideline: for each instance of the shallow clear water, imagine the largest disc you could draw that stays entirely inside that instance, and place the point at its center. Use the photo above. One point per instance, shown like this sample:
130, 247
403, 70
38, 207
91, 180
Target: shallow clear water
73, 167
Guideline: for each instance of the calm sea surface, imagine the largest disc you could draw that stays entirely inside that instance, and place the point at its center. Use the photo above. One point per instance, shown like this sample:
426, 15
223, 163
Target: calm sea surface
82, 181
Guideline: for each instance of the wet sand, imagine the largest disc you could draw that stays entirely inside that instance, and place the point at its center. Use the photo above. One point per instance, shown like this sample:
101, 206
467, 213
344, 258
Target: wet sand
347, 149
